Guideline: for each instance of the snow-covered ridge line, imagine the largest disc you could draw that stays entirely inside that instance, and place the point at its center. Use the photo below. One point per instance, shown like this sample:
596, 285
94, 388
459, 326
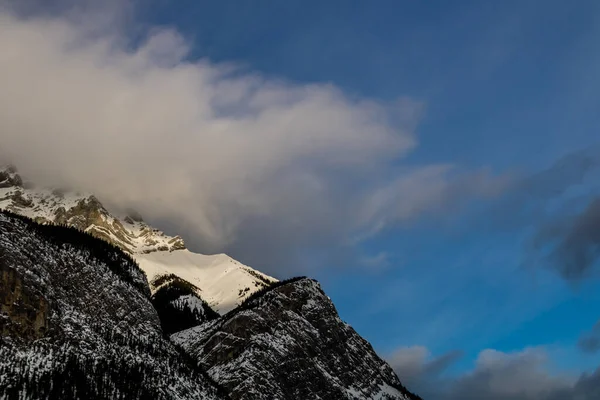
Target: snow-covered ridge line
222, 281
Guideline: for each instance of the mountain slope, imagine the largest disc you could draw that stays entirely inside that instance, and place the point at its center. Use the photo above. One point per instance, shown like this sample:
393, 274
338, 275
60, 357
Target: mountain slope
288, 342
76, 322
221, 281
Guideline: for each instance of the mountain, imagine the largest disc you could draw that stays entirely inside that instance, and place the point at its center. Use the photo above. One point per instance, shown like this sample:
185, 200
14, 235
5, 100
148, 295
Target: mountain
218, 279
94, 305
76, 321
288, 342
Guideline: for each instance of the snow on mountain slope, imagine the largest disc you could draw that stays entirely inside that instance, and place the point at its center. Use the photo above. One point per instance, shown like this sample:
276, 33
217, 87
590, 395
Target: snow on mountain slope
223, 282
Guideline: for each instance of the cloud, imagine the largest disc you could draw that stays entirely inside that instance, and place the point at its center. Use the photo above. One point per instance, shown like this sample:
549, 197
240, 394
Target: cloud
521, 375
379, 262
409, 362
498, 375
268, 170
554, 213
587, 387
417, 369
589, 342
531, 199
569, 170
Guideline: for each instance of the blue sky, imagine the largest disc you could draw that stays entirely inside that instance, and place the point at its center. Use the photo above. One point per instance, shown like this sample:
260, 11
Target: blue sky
506, 91
511, 86
506, 85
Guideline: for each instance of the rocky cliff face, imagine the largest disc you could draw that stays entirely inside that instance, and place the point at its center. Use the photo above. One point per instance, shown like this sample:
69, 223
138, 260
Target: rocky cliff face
289, 343
26, 310
77, 322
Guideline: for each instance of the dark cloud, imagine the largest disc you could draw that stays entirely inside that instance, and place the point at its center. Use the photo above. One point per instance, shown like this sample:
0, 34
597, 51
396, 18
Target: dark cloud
557, 210
589, 342
587, 387
572, 245
418, 370
566, 172
526, 200
440, 364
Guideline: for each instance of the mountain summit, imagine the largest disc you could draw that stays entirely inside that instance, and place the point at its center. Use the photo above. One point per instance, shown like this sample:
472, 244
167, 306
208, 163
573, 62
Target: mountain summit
219, 279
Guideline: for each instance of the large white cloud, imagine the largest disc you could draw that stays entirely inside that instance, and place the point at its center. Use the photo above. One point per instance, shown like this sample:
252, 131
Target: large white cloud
234, 159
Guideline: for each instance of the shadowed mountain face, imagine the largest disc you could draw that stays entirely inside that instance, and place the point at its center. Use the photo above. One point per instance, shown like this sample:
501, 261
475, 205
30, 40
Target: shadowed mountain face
178, 305
77, 322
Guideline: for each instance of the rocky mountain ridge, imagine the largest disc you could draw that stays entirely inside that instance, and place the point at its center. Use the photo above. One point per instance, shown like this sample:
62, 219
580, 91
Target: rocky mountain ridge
288, 342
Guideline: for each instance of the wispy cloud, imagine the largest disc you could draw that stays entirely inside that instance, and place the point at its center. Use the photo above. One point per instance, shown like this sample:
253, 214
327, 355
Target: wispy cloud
378, 262
555, 211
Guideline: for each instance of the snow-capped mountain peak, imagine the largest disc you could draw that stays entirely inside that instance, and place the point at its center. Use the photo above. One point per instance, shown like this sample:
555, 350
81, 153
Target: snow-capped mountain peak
221, 281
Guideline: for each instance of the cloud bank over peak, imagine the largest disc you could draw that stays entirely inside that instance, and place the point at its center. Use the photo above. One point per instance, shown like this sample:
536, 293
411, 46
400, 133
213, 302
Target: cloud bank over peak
240, 162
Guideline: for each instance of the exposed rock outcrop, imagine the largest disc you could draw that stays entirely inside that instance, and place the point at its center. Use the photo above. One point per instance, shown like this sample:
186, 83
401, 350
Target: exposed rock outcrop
25, 311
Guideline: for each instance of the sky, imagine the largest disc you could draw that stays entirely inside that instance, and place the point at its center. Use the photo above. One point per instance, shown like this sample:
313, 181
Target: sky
434, 164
